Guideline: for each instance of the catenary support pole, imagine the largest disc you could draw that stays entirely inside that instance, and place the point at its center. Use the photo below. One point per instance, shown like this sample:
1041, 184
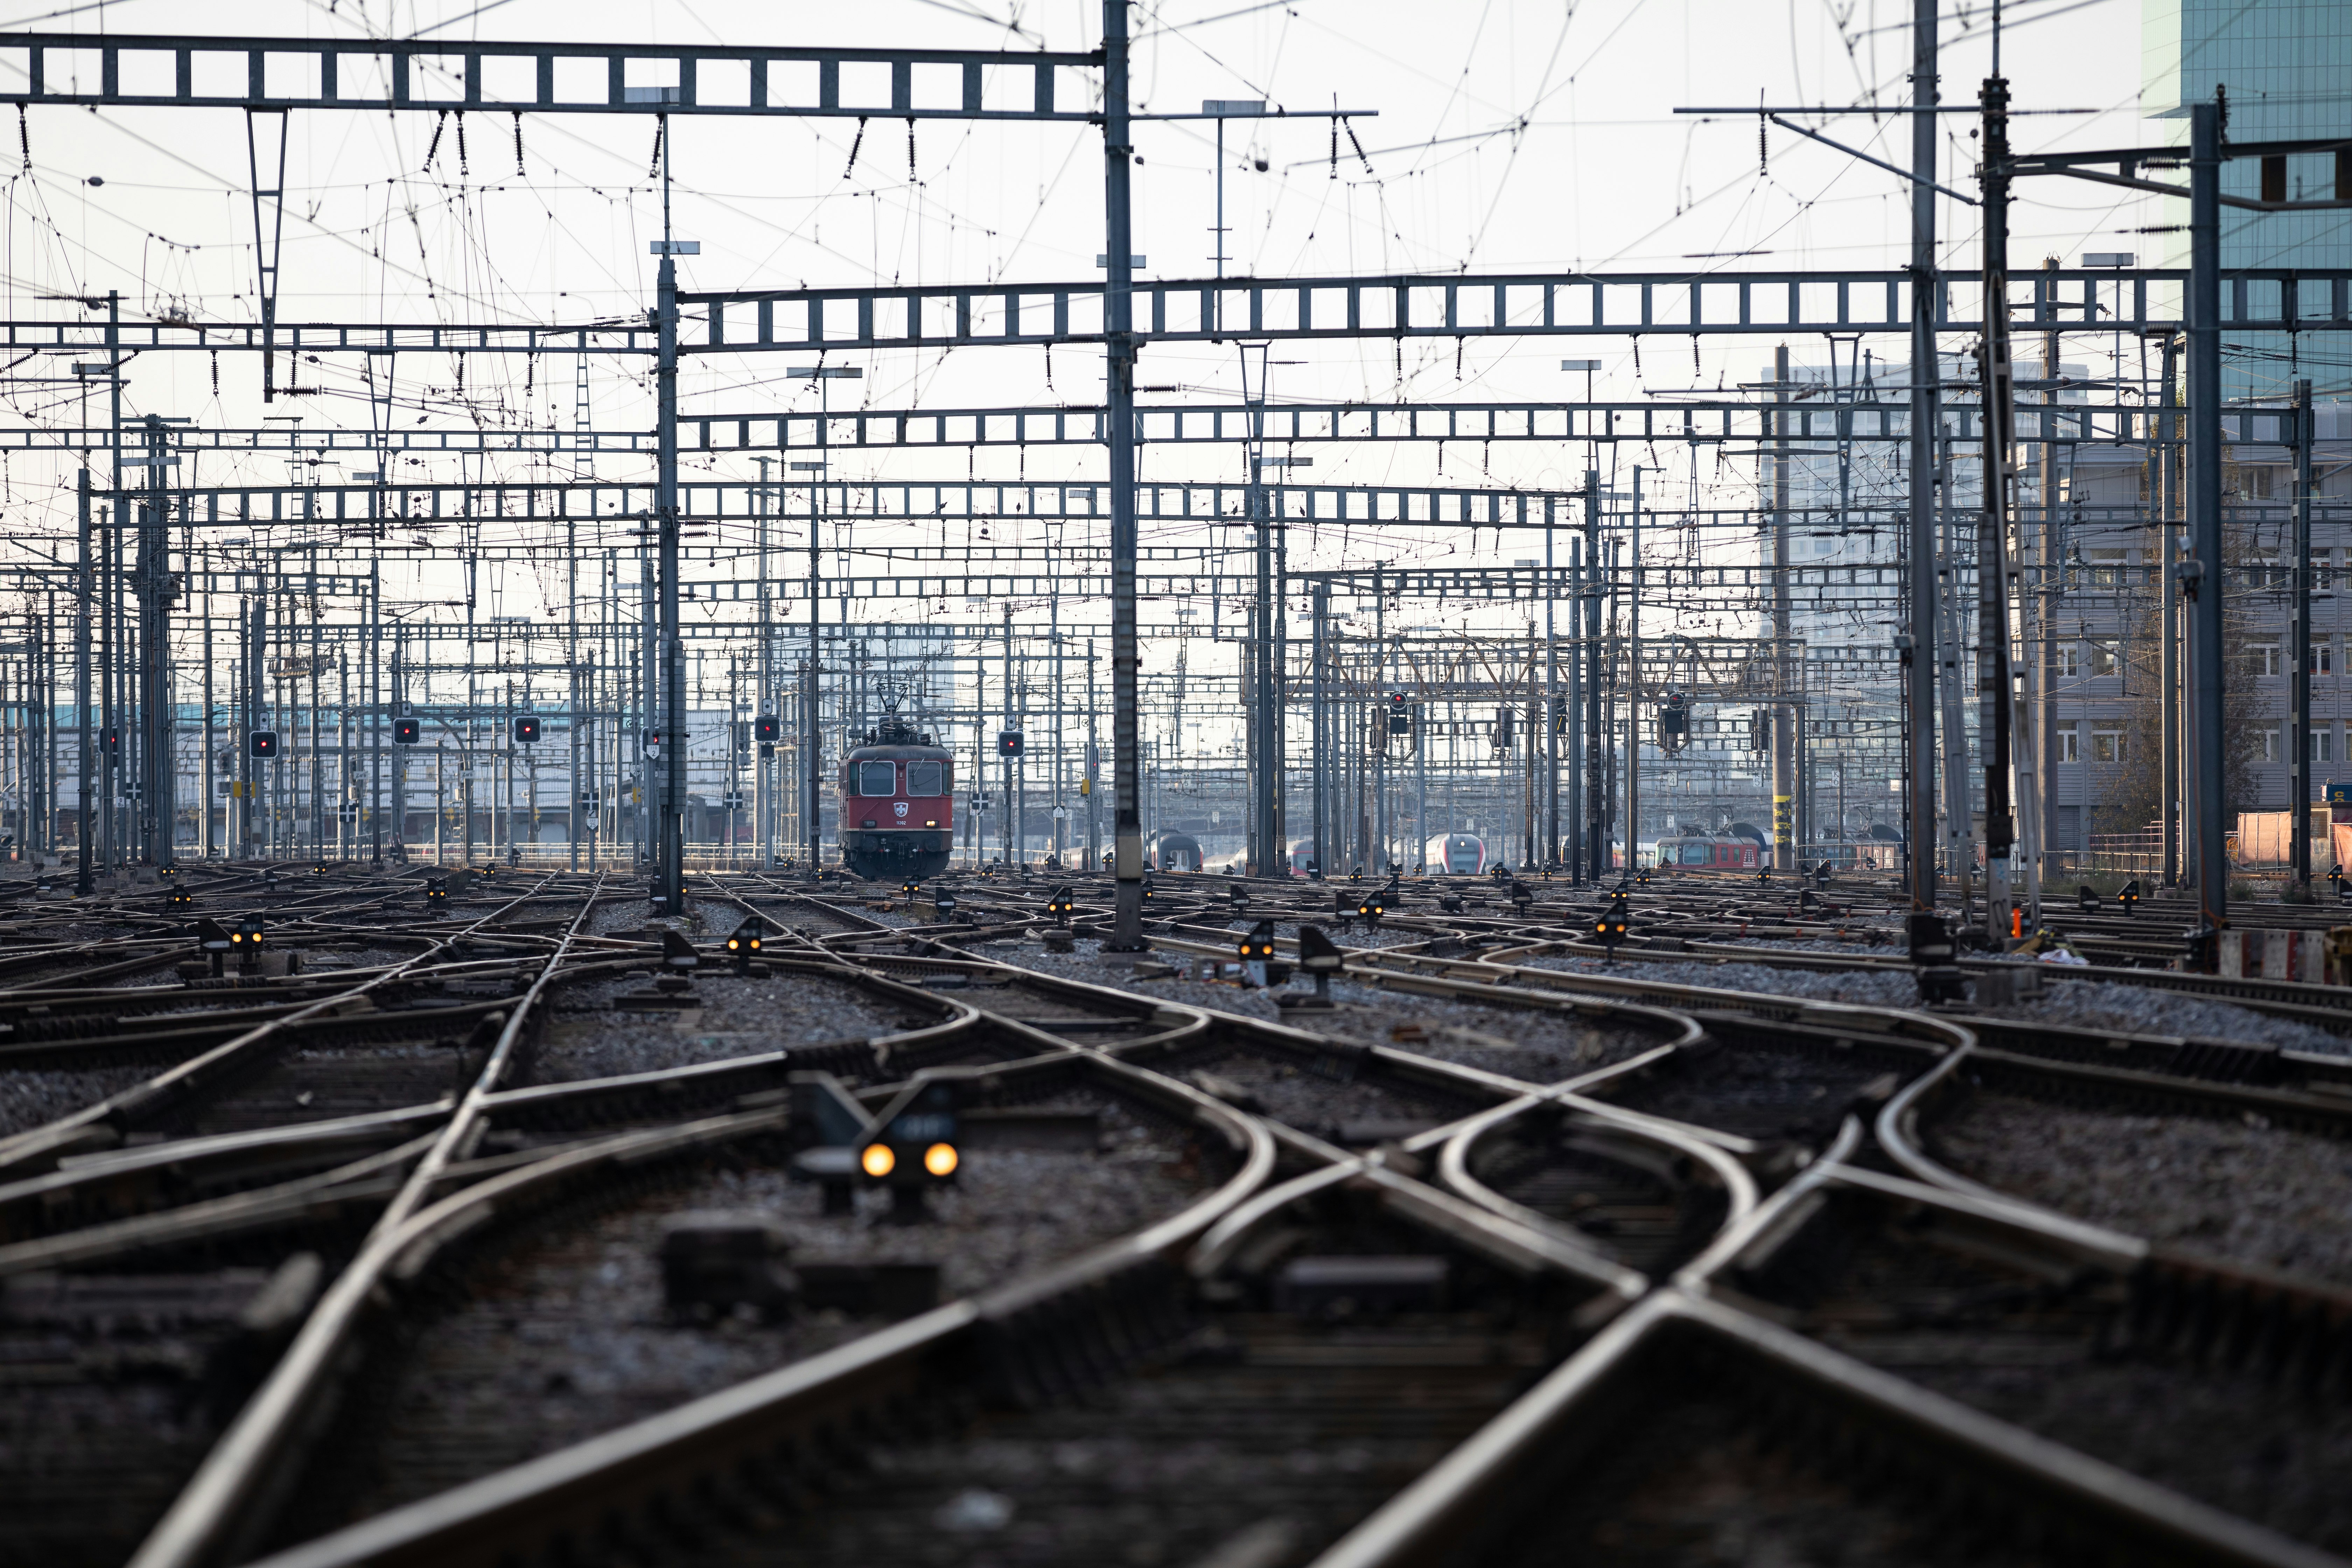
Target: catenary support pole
2167, 496
1554, 731
1573, 719
1783, 738
2202, 572
1634, 682
1596, 742
2041, 641
2298, 756
85, 593
1126, 919
1998, 379
1918, 652
1320, 779
669, 876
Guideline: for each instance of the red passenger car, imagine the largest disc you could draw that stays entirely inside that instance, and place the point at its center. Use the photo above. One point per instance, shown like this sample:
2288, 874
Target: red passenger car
1710, 853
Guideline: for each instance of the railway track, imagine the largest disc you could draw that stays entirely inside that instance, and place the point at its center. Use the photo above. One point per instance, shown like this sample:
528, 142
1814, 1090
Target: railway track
359, 1255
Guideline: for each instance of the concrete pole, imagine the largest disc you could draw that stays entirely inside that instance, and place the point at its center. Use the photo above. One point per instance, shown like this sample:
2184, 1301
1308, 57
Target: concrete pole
2166, 497
1918, 654
669, 876
1633, 684
2206, 678
1596, 746
1012, 722
1094, 766
1573, 723
1992, 526
1554, 730
1784, 712
2041, 656
1319, 787
1127, 922
2298, 759
84, 593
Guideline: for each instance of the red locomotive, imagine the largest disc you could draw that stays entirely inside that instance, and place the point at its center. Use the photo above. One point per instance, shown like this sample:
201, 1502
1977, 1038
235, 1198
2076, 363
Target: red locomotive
898, 800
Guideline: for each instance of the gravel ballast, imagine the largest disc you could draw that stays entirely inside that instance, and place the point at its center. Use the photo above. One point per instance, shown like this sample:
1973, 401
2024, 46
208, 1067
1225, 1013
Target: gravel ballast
32, 1096
2234, 1438
1862, 987
1524, 1043
2252, 1194
2085, 1003
566, 1332
2143, 1009
1687, 1483
586, 1038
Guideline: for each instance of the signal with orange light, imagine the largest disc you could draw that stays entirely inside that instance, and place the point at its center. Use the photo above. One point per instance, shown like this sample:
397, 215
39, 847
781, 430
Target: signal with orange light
743, 943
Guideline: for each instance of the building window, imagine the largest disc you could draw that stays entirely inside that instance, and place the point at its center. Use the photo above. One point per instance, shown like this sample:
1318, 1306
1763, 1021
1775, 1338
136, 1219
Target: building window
2070, 661
2266, 657
2107, 745
2269, 739
2108, 567
2321, 661
2322, 743
2070, 748
2102, 660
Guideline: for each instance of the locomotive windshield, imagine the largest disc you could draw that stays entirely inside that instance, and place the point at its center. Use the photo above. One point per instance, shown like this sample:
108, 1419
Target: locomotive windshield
877, 778
926, 778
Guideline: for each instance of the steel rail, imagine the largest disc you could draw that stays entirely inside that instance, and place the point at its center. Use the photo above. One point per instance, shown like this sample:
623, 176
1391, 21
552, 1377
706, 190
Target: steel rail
1476, 1491
94, 1126
1897, 1129
517, 1511
217, 1512
734, 1083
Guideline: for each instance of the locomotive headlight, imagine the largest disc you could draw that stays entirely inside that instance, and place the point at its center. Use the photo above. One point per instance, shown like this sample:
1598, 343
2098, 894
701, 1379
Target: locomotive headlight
877, 1161
939, 1159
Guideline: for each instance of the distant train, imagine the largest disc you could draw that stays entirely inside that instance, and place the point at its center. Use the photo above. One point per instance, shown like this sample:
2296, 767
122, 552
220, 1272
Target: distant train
1176, 852
1302, 857
898, 800
1455, 855
1709, 853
